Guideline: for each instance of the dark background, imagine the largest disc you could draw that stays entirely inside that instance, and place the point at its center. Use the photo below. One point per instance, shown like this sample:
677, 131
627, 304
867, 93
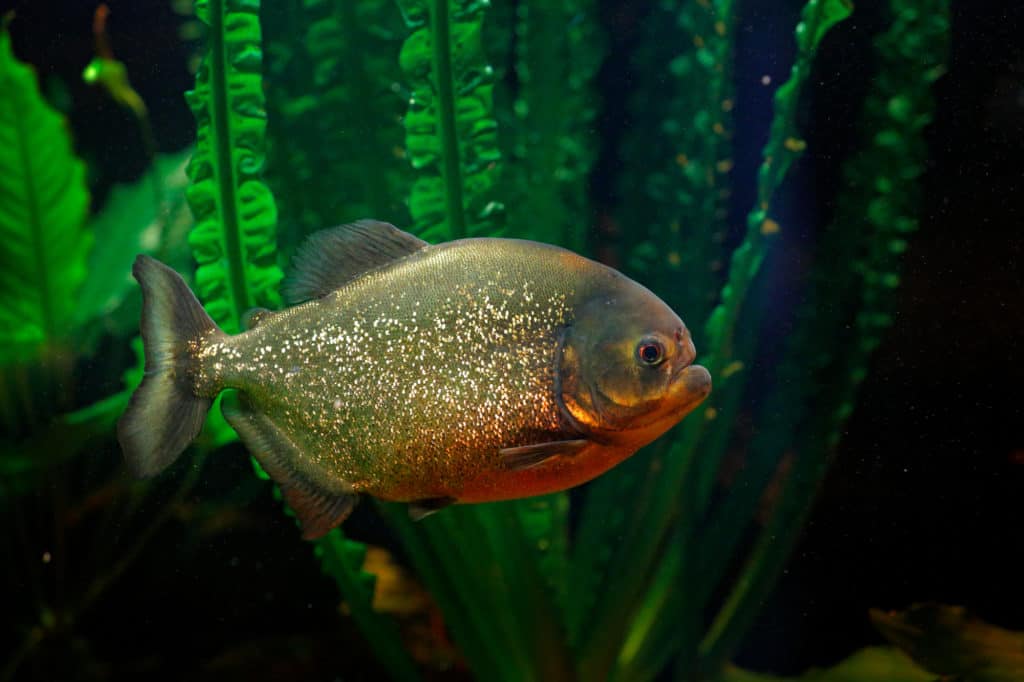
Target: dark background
924, 500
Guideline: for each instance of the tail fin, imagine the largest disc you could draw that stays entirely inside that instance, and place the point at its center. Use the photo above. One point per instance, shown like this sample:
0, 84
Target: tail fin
164, 414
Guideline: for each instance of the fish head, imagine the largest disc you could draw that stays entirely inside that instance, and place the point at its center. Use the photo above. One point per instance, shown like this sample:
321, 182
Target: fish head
626, 368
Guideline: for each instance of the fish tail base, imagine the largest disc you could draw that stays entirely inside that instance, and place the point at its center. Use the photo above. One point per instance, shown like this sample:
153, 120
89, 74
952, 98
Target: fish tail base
168, 409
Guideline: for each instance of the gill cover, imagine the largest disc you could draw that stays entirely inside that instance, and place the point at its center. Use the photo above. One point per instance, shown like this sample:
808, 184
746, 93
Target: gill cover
603, 385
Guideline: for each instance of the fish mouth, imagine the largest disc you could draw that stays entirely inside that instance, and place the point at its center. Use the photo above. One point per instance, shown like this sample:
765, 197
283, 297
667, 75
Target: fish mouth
692, 383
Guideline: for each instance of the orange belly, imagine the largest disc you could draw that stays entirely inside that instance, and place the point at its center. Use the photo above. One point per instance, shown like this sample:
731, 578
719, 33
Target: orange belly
558, 473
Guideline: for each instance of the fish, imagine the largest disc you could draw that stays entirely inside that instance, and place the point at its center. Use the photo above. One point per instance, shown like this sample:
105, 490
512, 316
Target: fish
467, 371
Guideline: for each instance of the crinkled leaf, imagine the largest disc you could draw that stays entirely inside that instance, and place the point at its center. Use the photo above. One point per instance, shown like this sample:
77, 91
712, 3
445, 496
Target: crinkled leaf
450, 132
234, 239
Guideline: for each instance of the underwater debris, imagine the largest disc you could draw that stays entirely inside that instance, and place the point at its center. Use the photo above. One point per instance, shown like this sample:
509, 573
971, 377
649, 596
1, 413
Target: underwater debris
948, 641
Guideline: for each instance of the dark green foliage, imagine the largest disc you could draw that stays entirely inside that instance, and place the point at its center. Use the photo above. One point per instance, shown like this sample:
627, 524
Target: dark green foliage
477, 562
335, 148
668, 482
881, 185
550, 142
676, 200
342, 559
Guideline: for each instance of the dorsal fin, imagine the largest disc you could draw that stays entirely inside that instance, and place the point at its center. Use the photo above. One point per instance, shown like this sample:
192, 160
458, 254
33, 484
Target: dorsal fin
255, 317
330, 258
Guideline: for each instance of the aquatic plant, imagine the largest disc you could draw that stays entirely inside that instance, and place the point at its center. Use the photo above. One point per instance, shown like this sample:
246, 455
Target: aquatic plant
621, 592
548, 141
882, 186
233, 240
44, 246
450, 132
234, 243
335, 149
62, 295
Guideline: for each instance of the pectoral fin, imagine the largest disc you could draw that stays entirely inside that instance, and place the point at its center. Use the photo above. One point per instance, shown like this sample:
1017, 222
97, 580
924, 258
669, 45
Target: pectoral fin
319, 505
421, 509
528, 456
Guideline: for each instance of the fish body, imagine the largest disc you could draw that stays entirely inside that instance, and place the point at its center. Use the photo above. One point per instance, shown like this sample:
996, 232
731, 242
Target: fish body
470, 371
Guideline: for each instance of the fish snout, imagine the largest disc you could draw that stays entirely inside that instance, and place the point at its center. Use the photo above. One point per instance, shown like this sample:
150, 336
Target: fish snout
697, 381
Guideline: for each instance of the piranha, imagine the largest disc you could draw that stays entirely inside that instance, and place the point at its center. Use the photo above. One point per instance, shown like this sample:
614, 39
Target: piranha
468, 371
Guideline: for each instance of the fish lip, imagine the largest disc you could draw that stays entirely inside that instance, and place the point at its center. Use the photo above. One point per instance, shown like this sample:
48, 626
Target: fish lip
696, 380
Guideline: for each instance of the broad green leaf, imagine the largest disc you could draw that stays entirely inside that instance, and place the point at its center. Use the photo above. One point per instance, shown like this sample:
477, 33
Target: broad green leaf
133, 220
43, 206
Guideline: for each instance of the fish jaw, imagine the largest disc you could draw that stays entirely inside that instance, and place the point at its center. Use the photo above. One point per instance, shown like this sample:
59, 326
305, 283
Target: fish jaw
690, 386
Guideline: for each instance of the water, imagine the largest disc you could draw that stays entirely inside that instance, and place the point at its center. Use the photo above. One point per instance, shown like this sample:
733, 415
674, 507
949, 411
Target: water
862, 446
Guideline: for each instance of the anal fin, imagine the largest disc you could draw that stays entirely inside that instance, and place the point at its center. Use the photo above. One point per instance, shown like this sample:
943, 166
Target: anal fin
421, 509
529, 456
319, 506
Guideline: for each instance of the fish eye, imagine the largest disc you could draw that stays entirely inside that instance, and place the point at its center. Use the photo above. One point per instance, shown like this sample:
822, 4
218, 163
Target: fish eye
650, 352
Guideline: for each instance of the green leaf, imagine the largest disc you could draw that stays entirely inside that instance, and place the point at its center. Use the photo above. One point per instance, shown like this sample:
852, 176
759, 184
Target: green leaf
819, 16
43, 206
675, 202
234, 238
133, 220
487, 580
545, 525
875, 664
451, 134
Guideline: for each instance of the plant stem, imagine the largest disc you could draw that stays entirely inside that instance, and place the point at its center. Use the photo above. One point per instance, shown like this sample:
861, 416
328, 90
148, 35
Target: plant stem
223, 158
440, 30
